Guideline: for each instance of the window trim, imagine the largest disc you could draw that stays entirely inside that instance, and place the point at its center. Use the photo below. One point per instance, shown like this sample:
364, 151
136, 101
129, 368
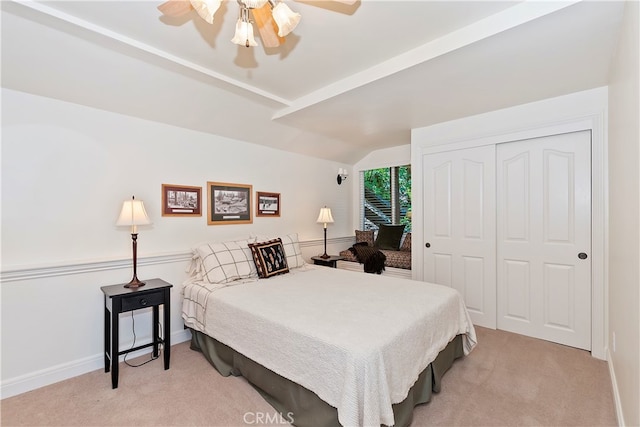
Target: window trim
394, 176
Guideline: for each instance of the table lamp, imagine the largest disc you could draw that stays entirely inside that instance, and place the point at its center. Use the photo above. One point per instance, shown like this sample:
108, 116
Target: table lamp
325, 218
133, 214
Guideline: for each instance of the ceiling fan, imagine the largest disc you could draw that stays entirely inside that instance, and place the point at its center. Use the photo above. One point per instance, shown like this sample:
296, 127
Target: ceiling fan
273, 18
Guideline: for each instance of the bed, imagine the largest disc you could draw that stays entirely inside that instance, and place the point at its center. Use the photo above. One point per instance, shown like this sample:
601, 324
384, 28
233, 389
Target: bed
360, 348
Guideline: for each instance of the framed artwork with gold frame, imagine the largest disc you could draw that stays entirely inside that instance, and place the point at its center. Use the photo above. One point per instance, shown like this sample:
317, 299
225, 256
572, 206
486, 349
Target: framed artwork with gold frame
229, 203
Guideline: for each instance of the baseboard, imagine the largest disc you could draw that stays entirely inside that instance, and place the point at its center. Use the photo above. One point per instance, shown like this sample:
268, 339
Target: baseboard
34, 380
616, 394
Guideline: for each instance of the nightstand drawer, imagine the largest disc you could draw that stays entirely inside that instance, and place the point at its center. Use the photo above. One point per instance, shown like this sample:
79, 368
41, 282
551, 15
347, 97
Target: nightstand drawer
149, 299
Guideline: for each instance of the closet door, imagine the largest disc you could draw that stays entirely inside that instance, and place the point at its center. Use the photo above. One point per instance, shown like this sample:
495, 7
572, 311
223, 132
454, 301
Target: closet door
459, 228
544, 238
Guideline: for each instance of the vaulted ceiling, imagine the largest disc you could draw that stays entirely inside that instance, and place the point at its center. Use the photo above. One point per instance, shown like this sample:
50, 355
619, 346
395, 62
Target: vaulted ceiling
349, 79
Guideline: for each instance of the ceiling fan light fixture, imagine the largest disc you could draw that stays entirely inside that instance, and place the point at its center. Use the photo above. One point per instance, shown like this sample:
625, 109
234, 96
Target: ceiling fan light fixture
206, 8
285, 18
253, 4
244, 31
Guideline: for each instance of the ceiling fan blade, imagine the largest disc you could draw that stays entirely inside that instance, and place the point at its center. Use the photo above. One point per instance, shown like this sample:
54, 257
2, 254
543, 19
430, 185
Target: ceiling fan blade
175, 8
267, 26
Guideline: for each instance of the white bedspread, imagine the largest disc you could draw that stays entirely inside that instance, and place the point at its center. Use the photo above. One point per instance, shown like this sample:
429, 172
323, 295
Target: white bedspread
359, 341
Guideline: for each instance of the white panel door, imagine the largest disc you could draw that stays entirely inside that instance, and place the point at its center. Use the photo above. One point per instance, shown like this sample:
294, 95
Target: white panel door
544, 238
459, 227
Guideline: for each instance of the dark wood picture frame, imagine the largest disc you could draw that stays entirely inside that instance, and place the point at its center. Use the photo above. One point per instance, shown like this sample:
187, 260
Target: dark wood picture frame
229, 203
267, 204
181, 200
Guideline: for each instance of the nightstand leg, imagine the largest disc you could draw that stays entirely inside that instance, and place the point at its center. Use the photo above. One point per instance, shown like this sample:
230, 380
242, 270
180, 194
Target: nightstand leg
115, 340
166, 308
156, 330
107, 339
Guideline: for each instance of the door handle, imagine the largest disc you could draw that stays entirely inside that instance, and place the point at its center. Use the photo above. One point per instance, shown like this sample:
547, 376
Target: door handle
582, 255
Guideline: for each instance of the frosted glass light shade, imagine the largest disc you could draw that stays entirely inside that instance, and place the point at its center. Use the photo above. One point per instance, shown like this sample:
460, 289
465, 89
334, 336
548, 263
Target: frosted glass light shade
244, 34
286, 19
206, 8
133, 214
325, 216
254, 4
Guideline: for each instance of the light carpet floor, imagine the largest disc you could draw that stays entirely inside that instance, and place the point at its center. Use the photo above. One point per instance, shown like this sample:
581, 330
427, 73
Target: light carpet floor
508, 380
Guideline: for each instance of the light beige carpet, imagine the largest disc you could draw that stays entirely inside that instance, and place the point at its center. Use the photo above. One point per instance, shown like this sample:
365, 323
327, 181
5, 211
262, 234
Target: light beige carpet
508, 380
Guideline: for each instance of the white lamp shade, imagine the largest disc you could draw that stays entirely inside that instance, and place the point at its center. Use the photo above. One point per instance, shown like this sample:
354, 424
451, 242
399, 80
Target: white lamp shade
206, 8
286, 19
244, 34
133, 214
325, 216
254, 4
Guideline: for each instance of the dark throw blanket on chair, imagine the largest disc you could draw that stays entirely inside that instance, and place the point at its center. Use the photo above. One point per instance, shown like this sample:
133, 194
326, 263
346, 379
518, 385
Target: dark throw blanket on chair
371, 257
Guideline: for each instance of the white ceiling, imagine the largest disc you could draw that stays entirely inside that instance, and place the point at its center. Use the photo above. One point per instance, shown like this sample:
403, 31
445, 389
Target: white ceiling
348, 80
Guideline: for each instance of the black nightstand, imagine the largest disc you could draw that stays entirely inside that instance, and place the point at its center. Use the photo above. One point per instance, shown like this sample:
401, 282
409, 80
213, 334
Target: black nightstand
118, 299
328, 262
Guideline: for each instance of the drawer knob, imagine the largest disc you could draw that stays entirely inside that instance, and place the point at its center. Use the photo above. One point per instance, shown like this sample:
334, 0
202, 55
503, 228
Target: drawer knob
143, 301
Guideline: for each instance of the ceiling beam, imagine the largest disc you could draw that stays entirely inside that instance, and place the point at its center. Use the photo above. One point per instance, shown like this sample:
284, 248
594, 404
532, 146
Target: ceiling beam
509, 18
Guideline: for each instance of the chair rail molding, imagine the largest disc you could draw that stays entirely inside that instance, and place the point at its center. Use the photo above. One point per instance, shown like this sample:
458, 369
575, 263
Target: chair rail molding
15, 274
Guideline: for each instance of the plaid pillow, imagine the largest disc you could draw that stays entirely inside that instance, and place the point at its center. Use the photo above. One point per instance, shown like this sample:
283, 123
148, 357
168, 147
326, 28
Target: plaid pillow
291, 246
292, 250
269, 257
226, 261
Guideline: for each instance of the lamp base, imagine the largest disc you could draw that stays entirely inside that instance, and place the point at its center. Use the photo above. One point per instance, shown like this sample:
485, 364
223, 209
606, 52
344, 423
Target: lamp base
324, 255
134, 283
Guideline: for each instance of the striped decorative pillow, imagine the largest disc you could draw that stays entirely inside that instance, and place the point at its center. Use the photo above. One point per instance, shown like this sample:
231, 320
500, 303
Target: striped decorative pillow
269, 257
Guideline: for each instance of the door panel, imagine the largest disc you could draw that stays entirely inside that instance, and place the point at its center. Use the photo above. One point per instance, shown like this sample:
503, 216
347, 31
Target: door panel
516, 184
474, 272
544, 221
442, 269
442, 176
459, 195
518, 290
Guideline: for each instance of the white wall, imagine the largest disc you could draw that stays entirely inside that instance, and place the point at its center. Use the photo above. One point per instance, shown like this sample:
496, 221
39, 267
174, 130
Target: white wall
66, 169
624, 219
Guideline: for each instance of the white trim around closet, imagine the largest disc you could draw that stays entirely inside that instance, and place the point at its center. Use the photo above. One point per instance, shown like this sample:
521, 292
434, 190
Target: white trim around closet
580, 111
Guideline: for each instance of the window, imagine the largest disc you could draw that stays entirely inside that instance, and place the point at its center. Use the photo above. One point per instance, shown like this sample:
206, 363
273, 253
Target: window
386, 197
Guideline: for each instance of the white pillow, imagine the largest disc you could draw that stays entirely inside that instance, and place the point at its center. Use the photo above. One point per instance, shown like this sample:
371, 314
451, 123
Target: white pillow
225, 262
291, 246
292, 250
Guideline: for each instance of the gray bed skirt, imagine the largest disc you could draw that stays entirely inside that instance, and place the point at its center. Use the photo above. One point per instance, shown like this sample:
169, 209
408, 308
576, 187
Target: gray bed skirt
303, 406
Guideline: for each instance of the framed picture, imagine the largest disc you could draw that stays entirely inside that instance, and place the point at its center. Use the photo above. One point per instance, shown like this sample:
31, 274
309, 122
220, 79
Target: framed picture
229, 203
268, 204
181, 200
